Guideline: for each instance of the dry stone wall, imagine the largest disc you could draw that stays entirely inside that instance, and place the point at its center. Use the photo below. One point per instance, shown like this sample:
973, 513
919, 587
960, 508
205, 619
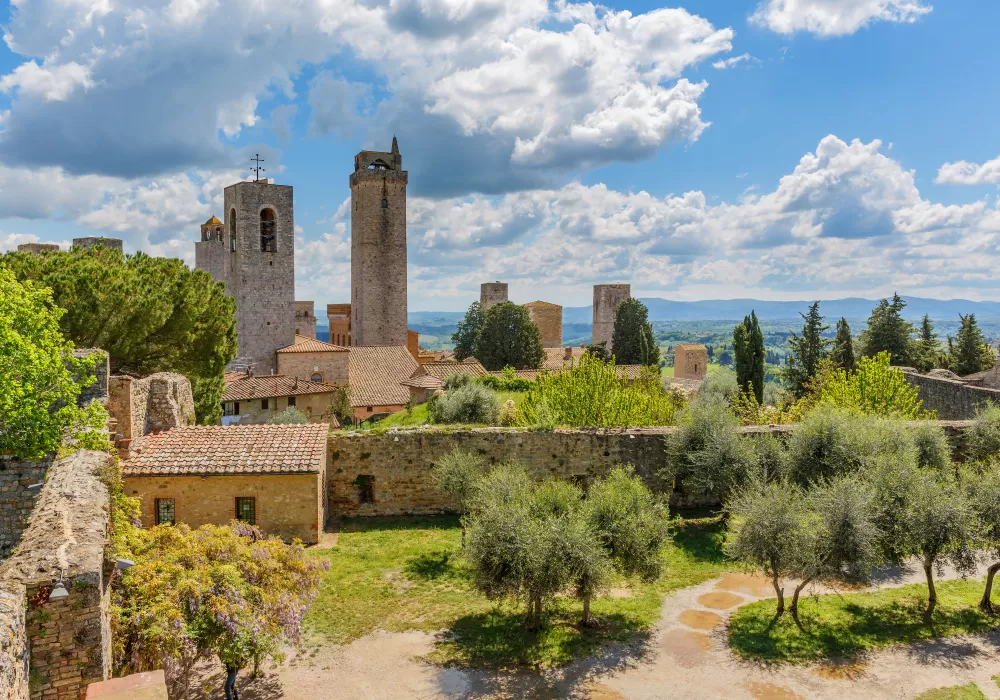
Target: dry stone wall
158, 402
396, 465
16, 499
949, 398
14, 670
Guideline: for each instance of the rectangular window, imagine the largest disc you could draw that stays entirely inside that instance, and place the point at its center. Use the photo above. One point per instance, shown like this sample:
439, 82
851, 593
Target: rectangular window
166, 511
291, 401
246, 509
231, 408
366, 488
263, 404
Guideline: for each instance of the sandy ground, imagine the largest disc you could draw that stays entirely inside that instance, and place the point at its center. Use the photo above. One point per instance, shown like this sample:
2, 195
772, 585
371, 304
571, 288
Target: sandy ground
686, 657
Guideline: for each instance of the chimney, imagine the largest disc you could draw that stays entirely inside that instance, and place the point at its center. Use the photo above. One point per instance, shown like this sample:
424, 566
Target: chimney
124, 449
568, 353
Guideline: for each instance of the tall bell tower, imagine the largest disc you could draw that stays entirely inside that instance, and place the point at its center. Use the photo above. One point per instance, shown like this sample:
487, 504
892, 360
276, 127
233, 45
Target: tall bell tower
378, 248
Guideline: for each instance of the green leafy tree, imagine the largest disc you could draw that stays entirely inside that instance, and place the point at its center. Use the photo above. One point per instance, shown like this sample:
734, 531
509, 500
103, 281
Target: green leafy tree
970, 353
509, 337
633, 340
290, 416
984, 494
631, 526
599, 350
842, 354
227, 591
748, 346
707, 456
806, 351
982, 440
466, 337
456, 476
889, 332
875, 388
149, 314
40, 379
926, 351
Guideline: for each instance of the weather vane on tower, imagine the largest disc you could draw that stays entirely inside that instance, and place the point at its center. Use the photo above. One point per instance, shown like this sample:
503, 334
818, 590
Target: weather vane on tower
256, 170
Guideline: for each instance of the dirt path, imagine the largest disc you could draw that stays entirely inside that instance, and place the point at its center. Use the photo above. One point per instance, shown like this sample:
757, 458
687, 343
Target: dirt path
686, 657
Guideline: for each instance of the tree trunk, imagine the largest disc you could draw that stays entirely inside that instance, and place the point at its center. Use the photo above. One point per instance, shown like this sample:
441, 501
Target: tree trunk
931, 592
586, 611
779, 591
986, 604
463, 536
794, 607
230, 687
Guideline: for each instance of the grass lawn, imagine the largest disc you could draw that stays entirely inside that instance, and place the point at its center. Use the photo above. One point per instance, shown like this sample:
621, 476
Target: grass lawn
843, 626
407, 574
955, 692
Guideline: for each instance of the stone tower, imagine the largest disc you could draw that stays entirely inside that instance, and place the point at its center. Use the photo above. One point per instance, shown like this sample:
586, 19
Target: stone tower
91, 241
548, 320
378, 248
492, 293
255, 259
305, 319
607, 297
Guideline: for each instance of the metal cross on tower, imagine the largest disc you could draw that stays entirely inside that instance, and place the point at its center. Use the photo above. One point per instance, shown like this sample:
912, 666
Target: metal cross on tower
256, 170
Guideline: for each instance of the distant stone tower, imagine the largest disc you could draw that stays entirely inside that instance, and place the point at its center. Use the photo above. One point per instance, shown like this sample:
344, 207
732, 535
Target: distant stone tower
492, 293
255, 259
37, 247
91, 241
339, 318
607, 297
548, 319
378, 249
305, 319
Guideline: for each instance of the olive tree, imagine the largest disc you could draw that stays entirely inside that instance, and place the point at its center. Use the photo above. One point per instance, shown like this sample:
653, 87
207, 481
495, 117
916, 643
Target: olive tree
707, 454
984, 493
456, 476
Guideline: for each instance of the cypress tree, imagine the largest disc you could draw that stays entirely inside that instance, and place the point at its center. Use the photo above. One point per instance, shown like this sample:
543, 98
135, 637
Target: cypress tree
748, 346
632, 340
927, 354
806, 351
889, 332
843, 347
466, 336
970, 353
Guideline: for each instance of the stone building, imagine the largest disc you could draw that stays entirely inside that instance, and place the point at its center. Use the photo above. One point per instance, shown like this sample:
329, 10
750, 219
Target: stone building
271, 476
249, 400
378, 248
492, 293
37, 247
430, 376
548, 319
91, 241
305, 319
690, 361
375, 379
339, 318
607, 297
315, 361
255, 259
158, 402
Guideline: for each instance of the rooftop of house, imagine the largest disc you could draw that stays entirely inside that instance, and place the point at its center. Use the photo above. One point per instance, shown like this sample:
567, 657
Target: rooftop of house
443, 370
246, 387
542, 305
375, 375
304, 343
230, 449
555, 358
424, 381
689, 346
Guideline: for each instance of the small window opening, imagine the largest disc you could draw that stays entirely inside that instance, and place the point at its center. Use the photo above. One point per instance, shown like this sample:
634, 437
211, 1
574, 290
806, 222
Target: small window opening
231, 408
317, 377
268, 231
385, 203
246, 509
166, 511
291, 401
232, 230
366, 488
263, 404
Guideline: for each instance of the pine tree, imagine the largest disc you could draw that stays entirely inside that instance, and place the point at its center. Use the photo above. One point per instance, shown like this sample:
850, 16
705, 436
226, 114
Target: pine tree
806, 351
467, 334
509, 338
927, 355
748, 346
889, 332
632, 341
843, 347
970, 353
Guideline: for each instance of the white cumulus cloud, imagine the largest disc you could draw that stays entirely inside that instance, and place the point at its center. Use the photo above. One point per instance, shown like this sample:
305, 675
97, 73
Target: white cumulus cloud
966, 173
834, 17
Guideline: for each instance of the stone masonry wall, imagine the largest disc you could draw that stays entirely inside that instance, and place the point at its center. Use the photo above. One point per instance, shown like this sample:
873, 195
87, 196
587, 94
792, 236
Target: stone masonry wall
16, 499
607, 297
950, 399
399, 462
690, 361
548, 320
305, 319
158, 402
14, 668
492, 293
332, 366
69, 639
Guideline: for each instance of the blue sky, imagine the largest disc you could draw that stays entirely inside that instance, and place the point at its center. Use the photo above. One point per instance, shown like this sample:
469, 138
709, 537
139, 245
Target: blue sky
780, 149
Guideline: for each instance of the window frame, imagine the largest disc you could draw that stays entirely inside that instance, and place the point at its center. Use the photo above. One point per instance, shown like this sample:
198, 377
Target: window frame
292, 402
157, 520
252, 501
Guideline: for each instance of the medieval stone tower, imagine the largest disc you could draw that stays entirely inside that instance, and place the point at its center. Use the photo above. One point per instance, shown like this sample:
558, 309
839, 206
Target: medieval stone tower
607, 297
253, 254
492, 293
378, 248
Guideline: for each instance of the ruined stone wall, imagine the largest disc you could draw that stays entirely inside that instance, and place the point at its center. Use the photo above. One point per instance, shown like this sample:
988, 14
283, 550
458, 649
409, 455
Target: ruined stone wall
492, 293
548, 320
607, 297
69, 639
158, 402
16, 499
950, 399
399, 462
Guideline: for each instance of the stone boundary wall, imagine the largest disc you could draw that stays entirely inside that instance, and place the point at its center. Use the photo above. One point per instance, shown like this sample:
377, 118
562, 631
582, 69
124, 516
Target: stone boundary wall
399, 462
69, 639
158, 402
949, 398
16, 499
14, 670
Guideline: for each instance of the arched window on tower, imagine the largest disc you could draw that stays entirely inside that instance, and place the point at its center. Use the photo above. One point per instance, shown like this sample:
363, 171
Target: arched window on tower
232, 230
268, 231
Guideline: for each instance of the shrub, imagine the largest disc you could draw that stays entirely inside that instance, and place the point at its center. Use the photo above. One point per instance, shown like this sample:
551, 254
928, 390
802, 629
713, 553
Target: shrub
290, 416
768, 458
508, 414
593, 393
505, 384
472, 403
874, 388
719, 386
983, 438
933, 448
707, 454
456, 381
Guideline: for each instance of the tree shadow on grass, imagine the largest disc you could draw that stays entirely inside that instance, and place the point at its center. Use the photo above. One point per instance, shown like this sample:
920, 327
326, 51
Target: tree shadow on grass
700, 535
431, 566
395, 522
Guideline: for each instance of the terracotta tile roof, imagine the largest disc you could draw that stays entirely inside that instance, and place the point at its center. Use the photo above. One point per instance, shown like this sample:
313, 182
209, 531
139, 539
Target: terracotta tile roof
689, 345
541, 305
424, 381
443, 370
375, 373
246, 387
230, 449
556, 357
233, 376
424, 356
306, 344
